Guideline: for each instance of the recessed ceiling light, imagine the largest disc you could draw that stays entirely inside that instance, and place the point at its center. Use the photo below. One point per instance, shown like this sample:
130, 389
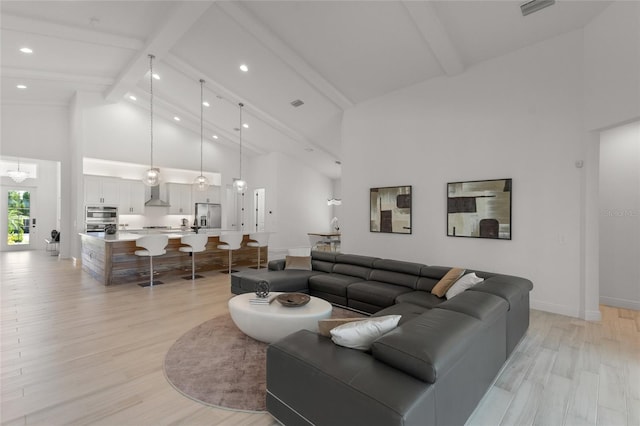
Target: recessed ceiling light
245, 125
26, 50
244, 68
133, 98
21, 86
156, 76
205, 103
176, 118
297, 103
215, 136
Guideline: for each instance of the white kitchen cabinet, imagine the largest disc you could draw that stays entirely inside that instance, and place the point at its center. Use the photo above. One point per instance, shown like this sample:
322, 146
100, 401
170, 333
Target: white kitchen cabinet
132, 197
100, 190
179, 196
211, 195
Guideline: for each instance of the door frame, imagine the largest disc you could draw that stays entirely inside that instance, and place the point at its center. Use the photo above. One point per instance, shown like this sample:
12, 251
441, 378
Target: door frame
4, 213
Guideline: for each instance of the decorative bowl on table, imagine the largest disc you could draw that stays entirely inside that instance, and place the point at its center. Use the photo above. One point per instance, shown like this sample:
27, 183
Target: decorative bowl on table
292, 300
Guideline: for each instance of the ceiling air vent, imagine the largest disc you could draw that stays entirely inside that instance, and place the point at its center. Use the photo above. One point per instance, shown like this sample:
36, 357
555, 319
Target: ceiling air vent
297, 103
535, 5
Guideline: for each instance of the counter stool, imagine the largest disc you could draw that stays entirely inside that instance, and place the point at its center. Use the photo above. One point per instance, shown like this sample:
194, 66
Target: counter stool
153, 245
260, 239
195, 243
231, 241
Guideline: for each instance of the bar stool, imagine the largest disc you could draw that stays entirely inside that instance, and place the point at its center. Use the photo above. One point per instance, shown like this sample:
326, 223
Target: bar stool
260, 239
195, 243
232, 241
153, 245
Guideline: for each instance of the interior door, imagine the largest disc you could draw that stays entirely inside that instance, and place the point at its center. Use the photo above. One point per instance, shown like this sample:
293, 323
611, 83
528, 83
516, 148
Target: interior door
18, 219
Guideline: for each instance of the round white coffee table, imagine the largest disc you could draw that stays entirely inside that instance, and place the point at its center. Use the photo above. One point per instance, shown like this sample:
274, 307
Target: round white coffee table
268, 323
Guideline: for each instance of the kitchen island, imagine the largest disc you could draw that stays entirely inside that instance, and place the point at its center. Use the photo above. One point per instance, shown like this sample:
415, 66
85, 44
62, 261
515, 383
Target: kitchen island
110, 259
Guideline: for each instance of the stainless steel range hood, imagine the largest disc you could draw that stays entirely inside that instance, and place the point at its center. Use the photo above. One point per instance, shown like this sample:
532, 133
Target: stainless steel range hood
155, 200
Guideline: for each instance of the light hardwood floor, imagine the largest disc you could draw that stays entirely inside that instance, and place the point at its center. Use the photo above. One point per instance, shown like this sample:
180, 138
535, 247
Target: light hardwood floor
75, 352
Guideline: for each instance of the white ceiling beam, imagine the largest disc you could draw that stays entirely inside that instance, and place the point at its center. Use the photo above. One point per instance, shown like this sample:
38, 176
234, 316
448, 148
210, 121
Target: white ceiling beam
232, 97
66, 32
428, 23
180, 19
286, 54
30, 74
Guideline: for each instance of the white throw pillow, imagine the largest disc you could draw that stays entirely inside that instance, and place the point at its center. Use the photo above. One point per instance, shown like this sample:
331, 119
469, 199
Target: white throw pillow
361, 334
463, 284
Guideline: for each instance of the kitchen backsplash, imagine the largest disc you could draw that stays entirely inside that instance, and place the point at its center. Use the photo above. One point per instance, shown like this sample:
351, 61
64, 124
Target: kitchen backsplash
153, 217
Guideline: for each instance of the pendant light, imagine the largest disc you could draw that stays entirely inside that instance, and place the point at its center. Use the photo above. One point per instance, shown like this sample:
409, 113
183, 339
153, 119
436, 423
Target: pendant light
17, 175
201, 183
152, 175
239, 184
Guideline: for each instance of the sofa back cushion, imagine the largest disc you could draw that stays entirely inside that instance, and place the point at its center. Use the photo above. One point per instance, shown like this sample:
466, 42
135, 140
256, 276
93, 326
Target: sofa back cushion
409, 268
352, 270
355, 259
428, 346
326, 256
322, 266
396, 278
429, 277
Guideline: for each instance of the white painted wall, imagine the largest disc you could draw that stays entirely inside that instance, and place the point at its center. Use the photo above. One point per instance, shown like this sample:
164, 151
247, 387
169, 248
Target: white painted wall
620, 217
612, 66
296, 200
41, 132
519, 117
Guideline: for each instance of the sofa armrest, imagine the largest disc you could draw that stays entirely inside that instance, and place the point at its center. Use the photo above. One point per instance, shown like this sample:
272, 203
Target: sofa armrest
276, 265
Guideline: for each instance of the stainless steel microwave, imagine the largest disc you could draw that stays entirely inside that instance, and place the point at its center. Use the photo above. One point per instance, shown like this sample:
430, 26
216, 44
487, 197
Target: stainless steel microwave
97, 217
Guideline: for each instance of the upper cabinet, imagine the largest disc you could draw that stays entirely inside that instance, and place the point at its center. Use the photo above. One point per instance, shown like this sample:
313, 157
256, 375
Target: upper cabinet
132, 197
179, 196
100, 190
211, 195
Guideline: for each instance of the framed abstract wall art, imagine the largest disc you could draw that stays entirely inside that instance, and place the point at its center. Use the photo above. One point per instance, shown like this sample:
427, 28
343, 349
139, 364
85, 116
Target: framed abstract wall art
390, 209
479, 209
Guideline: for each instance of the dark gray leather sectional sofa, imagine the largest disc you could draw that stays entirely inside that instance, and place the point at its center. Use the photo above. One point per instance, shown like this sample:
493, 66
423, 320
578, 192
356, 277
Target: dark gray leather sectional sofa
433, 369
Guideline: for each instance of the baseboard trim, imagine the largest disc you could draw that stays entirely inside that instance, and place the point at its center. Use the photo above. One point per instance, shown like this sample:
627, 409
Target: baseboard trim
555, 308
620, 303
593, 316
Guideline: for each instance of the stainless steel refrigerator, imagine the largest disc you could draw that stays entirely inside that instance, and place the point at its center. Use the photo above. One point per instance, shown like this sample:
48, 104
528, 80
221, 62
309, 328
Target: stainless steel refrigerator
209, 215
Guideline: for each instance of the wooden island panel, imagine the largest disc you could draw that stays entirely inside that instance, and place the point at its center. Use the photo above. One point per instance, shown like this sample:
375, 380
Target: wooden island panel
114, 262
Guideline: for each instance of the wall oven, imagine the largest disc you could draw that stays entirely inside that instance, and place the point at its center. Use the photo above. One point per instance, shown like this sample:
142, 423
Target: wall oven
98, 217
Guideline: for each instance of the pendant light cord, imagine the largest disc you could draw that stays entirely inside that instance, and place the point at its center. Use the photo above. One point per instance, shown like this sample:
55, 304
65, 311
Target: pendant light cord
241, 105
201, 120
151, 102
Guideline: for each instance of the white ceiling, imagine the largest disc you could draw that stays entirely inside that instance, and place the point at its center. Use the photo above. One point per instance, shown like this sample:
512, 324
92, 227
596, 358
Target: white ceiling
330, 54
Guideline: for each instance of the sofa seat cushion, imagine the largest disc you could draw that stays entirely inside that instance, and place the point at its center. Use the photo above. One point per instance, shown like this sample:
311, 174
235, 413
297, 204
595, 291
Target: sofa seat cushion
375, 293
483, 306
332, 283
407, 311
429, 346
421, 298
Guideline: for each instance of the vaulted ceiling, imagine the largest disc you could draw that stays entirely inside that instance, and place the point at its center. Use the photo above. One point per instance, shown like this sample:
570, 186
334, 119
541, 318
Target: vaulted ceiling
331, 55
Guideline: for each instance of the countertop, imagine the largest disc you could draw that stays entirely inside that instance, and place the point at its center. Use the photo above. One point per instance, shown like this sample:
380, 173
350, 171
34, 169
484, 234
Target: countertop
132, 236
